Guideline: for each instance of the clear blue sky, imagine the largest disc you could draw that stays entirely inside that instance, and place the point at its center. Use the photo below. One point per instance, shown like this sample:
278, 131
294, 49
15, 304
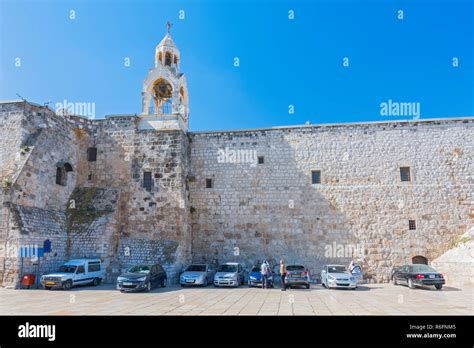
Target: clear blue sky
282, 62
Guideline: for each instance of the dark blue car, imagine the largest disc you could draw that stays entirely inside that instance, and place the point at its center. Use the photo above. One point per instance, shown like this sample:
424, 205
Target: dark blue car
255, 277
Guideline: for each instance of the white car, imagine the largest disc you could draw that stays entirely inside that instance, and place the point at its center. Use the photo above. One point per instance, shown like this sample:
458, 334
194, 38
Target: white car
75, 272
337, 276
229, 274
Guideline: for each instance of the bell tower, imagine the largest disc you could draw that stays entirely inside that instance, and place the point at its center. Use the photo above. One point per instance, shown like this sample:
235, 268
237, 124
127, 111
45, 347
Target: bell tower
164, 91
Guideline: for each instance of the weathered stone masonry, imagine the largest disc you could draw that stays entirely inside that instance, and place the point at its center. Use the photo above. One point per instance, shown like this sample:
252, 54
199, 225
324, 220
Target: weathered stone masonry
156, 192
272, 210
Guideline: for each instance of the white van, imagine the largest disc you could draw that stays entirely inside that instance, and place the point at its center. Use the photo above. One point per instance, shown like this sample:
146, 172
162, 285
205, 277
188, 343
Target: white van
75, 272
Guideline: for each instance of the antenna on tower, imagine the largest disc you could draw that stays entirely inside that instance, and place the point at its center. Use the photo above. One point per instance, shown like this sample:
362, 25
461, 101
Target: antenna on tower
19, 96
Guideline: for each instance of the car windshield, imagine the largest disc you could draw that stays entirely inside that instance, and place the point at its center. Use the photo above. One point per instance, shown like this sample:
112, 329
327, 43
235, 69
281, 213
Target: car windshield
295, 268
256, 269
422, 268
196, 268
139, 269
337, 269
227, 268
67, 269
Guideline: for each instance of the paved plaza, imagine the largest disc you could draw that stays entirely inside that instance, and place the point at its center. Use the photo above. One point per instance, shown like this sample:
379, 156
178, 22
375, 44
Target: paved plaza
369, 299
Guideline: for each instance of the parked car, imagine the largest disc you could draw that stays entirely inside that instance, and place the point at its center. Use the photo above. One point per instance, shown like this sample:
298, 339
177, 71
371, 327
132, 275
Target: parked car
197, 274
142, 278
75, 272
297, 275
255, 277
229, 274
337, 276
418, 275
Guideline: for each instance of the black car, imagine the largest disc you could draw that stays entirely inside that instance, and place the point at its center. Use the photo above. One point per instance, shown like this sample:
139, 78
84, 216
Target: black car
142, 278
417, 275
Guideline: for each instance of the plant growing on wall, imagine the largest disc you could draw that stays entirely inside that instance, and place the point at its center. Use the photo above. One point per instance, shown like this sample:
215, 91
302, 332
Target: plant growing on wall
24, 149
6, 183
80, 133
80, 212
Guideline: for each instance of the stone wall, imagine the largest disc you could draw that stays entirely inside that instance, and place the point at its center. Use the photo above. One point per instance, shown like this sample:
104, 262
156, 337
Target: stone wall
272, 210
159, 215
253, 210
119, 208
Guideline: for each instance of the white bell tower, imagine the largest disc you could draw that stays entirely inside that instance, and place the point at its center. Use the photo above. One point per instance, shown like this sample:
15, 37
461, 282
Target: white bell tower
165, 100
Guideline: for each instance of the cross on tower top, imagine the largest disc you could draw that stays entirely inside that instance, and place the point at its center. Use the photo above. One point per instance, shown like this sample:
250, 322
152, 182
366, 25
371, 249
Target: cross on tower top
168, 26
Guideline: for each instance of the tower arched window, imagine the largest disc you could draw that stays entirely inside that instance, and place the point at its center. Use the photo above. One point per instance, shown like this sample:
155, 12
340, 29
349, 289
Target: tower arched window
160, 57
168, 59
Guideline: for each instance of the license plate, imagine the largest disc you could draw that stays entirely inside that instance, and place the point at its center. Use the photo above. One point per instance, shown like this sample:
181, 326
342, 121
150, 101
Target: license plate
50, 283
295, 275
432, 275
127, 283
189, 281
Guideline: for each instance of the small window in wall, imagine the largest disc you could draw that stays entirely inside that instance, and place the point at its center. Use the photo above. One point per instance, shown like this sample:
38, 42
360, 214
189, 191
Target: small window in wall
61, 173
412, 225
209, 183
147, 180
261, 159
92, 154
89, 177
315, 176
60, 176
405, 174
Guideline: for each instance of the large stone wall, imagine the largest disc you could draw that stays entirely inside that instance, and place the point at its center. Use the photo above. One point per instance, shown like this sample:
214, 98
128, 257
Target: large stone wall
119, 214
272, 210
157, 215
253, 211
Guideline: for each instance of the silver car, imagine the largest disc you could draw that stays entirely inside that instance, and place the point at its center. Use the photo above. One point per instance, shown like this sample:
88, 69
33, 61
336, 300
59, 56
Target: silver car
197, 274
337, 276
229, 274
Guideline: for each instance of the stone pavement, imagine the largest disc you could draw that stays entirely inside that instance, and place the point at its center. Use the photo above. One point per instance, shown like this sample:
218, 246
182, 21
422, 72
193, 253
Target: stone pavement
369, 299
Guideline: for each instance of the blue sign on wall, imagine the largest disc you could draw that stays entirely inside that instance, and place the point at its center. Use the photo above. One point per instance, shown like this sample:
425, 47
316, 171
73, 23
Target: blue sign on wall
47, 246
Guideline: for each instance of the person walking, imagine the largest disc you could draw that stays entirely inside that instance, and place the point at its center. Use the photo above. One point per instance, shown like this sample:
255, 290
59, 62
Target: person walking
282, 274
264, 270
352, 265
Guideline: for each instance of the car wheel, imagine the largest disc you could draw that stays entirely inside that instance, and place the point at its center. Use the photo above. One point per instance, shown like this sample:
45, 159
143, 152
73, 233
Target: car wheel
354, 288
410, 283
395, 281
164, 282
47, 287
96, 281
67, 285
438, 286
182, 285
307, 286
215, 285
148, 286
205, 283
249, 284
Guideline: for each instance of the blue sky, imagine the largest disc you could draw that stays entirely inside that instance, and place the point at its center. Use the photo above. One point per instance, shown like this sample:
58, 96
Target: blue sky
283, 62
